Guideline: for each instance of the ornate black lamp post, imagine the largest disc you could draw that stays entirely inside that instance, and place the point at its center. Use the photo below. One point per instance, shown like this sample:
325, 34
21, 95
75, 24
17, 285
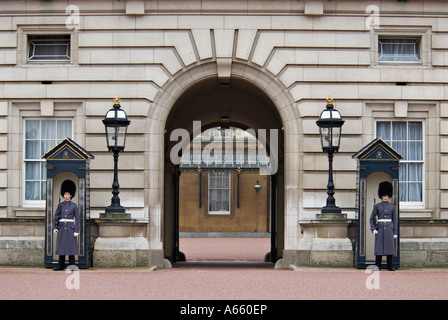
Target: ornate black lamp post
330, 126
116, 123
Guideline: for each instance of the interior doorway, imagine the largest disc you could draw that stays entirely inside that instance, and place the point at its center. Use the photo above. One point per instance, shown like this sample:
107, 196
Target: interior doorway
216, 195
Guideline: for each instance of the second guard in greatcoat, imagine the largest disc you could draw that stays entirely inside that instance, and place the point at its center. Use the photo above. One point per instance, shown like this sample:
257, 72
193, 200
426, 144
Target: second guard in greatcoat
66, 226
384, 224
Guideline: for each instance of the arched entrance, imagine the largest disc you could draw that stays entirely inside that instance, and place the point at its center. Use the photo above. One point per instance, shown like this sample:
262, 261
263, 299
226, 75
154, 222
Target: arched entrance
250, 100
209, 104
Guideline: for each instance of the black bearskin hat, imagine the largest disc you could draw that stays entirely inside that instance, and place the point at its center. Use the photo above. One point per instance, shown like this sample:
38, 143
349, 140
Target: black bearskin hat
68, 186
385, 188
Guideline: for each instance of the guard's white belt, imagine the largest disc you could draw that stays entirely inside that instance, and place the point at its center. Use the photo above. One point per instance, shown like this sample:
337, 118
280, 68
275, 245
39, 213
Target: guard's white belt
66, 220
384, 220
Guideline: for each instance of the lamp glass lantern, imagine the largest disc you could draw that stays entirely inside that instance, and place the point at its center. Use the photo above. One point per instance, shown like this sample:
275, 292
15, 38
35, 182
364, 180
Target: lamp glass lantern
116, 123
330, 126
257, 186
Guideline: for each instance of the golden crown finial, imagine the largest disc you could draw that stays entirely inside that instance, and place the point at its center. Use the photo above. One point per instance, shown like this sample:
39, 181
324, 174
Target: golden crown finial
330, 100
116, 100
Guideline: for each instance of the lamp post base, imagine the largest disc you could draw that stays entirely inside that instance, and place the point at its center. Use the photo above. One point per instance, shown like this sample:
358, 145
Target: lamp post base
112, 209
331, 216
117, 215
121, 242
331, 209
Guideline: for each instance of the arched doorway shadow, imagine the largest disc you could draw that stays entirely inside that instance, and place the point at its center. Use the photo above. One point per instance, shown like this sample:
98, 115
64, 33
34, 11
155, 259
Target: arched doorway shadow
209, 105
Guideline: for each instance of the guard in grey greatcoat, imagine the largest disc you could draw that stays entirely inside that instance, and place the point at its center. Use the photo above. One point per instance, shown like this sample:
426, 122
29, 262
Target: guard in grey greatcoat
66, 225
385, 227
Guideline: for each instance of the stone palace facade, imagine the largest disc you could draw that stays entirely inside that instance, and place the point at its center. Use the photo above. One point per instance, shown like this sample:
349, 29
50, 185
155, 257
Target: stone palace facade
252, 65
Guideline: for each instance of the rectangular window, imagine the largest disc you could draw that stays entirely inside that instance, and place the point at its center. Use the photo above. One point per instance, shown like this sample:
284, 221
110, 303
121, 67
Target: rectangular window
40, 136
406, 50
406, 137
219, 193
48, 48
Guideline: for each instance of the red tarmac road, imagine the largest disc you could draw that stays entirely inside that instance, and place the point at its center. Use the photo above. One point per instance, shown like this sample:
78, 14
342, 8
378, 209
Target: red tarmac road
223, 269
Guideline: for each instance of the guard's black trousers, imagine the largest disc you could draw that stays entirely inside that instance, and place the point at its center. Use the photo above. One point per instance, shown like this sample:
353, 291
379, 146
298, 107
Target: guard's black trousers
389, 261
71, 261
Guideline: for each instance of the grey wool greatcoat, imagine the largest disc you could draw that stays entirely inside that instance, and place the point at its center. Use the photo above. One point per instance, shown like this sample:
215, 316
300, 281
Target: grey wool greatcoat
384, 240
67, 243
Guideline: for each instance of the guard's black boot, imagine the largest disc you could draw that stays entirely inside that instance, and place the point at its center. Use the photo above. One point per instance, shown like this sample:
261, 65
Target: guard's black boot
389, 264
61, 264
378, 261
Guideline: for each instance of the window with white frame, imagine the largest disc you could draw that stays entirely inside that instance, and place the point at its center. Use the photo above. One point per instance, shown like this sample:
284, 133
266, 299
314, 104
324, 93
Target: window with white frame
48, 48
402, 50
219, 193
406, 137
40, 136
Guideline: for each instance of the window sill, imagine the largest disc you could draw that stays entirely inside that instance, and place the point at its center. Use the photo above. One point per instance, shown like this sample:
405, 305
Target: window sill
219, 213
30, 212
398, 63
49, 62
415, 214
